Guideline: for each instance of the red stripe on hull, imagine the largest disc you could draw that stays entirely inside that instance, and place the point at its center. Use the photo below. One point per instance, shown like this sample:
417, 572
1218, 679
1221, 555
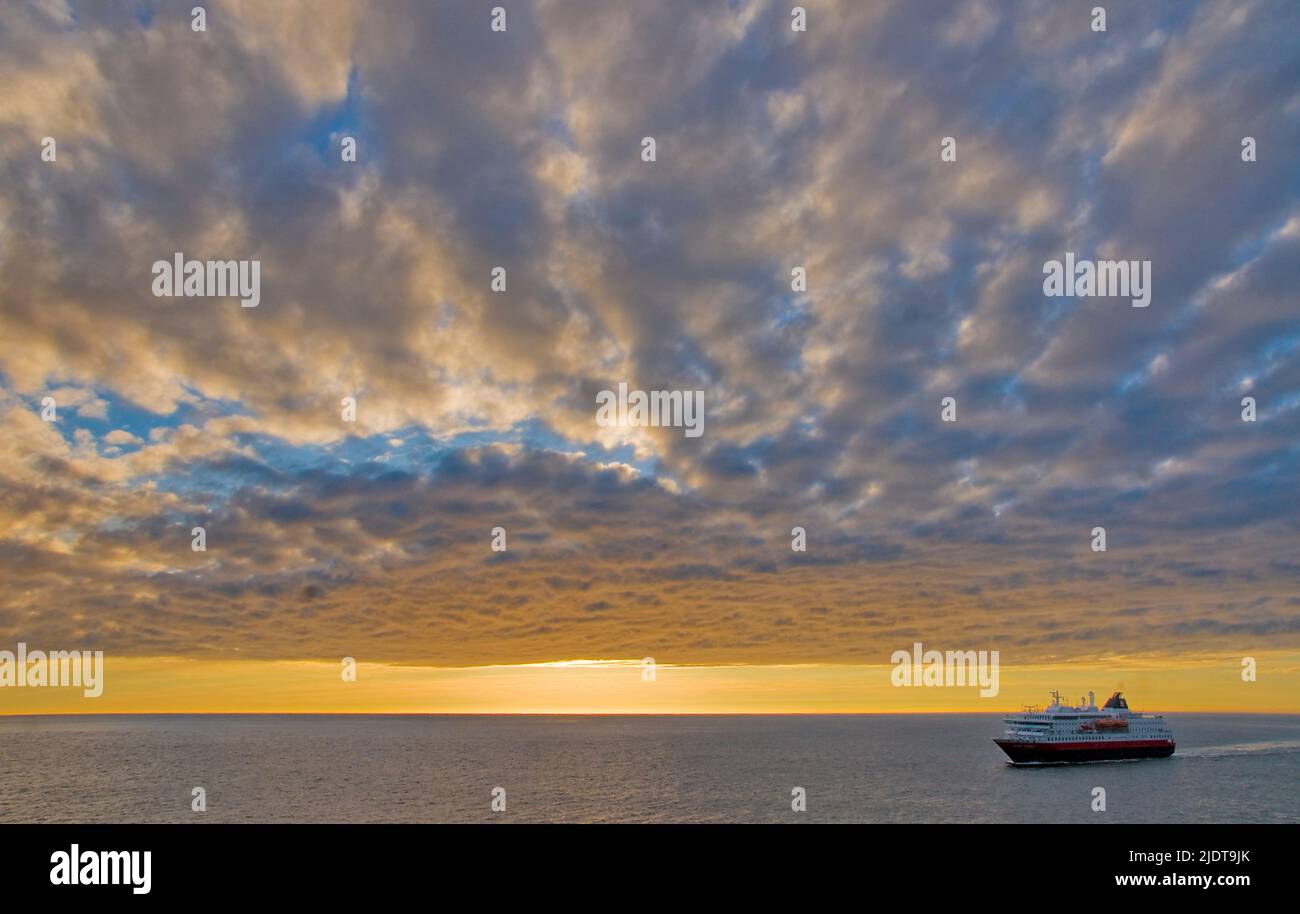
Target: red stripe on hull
1092, 744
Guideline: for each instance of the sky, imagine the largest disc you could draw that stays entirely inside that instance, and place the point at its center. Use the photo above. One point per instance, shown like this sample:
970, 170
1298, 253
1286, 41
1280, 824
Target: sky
775, 149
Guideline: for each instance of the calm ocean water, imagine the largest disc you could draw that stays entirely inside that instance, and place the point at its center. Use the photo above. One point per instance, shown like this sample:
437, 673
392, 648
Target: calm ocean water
914, 768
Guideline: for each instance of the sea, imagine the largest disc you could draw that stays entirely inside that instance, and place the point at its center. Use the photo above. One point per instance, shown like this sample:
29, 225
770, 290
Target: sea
571, 768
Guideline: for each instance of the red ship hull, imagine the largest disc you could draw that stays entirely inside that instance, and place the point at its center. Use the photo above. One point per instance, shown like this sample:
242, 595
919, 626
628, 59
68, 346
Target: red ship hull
1023, 753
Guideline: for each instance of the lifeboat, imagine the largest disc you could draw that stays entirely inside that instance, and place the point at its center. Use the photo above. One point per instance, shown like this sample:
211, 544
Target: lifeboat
1112, 723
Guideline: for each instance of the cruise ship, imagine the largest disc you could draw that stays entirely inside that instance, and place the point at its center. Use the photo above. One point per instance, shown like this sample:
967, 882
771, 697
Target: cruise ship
1061, 733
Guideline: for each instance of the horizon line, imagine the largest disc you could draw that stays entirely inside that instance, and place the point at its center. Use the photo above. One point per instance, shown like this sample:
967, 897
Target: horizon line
6, 715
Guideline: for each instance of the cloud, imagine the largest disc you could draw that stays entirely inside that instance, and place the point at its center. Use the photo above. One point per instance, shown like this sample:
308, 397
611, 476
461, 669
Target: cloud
475, 408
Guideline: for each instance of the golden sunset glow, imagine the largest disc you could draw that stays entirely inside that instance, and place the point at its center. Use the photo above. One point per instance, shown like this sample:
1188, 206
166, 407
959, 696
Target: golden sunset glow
171, 685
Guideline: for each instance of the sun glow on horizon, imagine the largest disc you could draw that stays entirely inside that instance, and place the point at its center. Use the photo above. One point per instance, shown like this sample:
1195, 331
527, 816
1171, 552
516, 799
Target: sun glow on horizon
621, 686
